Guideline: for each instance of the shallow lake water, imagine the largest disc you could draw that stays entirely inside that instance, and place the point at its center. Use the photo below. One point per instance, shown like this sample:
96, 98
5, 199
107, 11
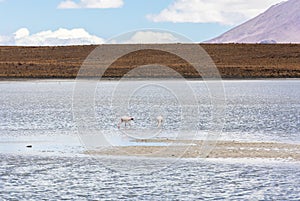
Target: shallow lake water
84, 178
40, 113
263, 110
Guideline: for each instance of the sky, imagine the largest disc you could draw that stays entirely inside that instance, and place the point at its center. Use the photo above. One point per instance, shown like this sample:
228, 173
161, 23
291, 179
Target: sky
68, 22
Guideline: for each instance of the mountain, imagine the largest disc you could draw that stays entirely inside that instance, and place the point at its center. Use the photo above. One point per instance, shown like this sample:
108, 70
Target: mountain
279, 24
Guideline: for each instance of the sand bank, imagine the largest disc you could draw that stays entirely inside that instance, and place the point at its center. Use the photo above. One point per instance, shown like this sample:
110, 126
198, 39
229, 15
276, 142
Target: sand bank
198, 149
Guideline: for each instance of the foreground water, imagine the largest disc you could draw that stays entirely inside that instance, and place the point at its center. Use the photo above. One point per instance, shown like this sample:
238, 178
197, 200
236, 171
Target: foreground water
40, 113
84, 178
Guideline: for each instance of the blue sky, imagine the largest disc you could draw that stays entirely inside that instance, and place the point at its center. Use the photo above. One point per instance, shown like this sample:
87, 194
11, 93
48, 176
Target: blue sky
199, 20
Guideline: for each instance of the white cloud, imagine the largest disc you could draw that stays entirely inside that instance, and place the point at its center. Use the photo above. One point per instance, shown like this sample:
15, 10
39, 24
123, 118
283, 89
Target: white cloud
69, 4
51, 38
21, 33
227, 12
142, 37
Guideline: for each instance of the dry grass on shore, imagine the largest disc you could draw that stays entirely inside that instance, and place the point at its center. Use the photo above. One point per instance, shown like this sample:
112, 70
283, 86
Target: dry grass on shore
234, 61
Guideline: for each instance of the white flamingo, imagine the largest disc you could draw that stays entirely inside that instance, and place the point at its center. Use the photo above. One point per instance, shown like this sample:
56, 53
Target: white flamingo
125, 119
159, 120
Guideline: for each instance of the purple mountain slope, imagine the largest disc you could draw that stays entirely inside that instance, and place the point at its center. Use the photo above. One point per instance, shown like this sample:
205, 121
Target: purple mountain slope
279, 24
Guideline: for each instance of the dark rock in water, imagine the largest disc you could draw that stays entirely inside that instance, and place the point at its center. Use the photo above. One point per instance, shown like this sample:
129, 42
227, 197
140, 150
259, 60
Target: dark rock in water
29, 146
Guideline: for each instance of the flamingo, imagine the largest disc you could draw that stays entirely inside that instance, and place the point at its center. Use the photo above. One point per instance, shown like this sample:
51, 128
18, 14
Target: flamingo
125, 119
159, 120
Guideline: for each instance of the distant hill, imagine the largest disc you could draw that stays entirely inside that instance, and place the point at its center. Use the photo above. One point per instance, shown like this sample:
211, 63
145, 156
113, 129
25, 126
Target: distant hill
279, 24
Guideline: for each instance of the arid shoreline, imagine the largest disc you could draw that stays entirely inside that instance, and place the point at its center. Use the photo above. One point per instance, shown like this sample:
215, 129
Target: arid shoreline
234, 61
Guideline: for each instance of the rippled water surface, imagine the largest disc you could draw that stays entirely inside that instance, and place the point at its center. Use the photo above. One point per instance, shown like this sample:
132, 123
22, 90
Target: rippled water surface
255, 110
40, 113
56, 178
